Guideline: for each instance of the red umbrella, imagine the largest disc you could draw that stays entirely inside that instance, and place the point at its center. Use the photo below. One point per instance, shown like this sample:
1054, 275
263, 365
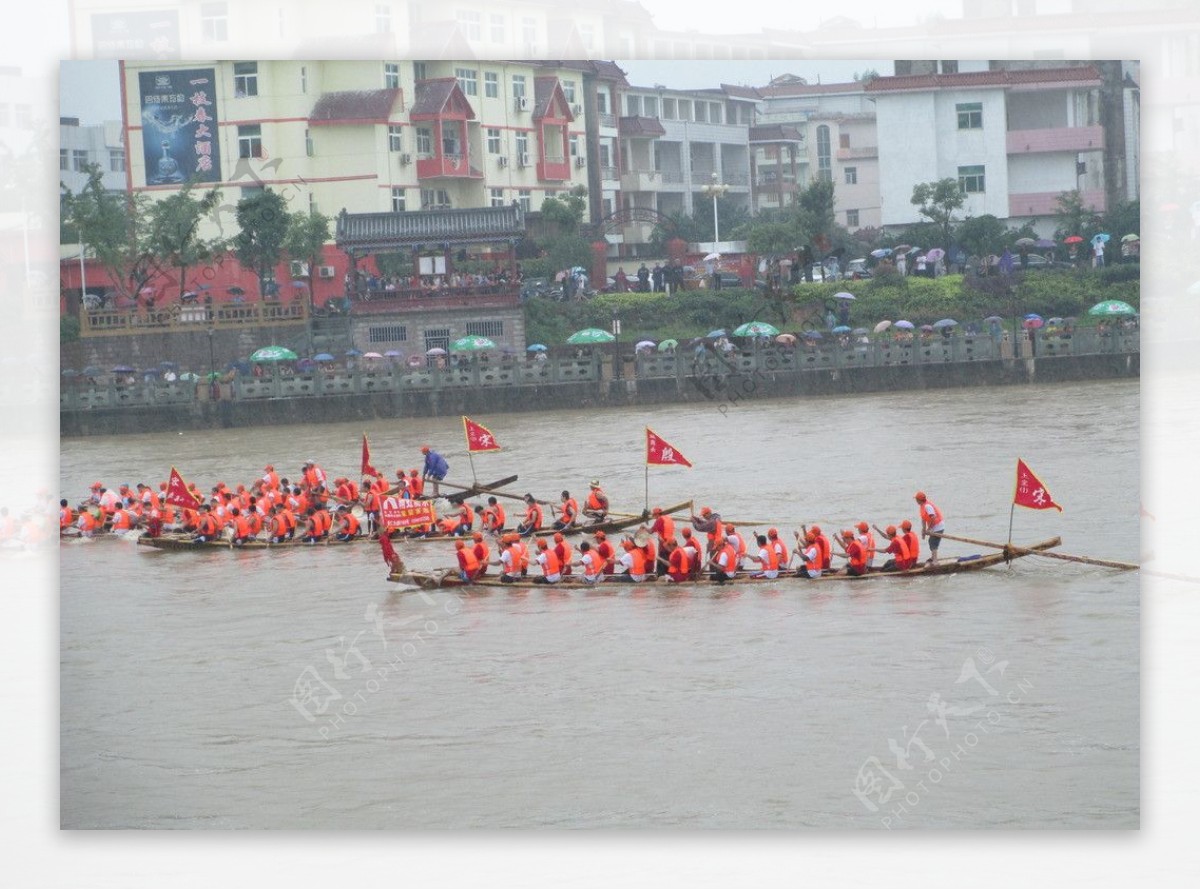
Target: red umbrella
1073, 239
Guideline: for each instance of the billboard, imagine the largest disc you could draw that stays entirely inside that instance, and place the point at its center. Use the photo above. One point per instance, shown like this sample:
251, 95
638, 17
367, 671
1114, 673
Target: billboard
179, 126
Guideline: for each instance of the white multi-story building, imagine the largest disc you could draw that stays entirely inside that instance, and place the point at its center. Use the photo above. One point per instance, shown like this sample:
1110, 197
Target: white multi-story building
101, 145
1015, 140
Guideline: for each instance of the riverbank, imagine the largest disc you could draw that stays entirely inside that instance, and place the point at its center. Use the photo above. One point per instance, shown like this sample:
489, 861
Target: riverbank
721, 385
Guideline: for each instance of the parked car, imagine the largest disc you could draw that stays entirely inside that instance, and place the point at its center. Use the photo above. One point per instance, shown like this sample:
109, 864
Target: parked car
1037, 261
858, 267
536, 287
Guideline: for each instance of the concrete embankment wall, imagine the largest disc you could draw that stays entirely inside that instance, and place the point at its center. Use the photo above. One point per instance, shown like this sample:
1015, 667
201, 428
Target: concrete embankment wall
718, 391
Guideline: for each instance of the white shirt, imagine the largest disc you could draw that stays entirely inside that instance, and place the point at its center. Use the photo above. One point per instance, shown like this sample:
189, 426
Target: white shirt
765, 555
626, 562
553, 577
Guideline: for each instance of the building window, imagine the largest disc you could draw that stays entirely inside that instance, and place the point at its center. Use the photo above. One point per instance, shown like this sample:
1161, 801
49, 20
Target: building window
245, 79
435, 199
702, 112
685, 109
843, 140
308, 143
573, 142
950, 66
485, 329
525, 199
852, 219
437, 338
395, 137
79, 160
250, 141
851, 175
824, 156
518, 86
468, 80
214, 21
419, 71
493, 140
304, 78
714, 112
668, 109
491, 85
633, 105
970, 115
602, 102
970, 179
522, 138
383, 18
312, 203
251, 191
496, 197
62, 159
424, 141
529, 33
569, 90
391, 75
387, 333
116, 160
471, 23
498, 28
398, 202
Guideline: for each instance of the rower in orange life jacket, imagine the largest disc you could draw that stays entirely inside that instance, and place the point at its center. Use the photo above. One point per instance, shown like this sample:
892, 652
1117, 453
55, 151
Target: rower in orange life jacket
767, 557
66, 516
482, 552
855, 552
314, 476
810, 552
664, 526
596, 505
824, 544
733, 536
913, 541
493, 516
898, 547
533, 517
632, 563
207, 526
348, 525
695, 555
591, 563
416, 484
868, 541
87, 523
468, 563
241, 526
724, 560
270, 478
276, 526
122, 519
568, 512
510, 558
548, 560
776, 543
563, 551
679, 567
606, 552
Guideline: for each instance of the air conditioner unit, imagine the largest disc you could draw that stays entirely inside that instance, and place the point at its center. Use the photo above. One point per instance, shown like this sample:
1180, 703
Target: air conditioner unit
502, 161
522, 160
580, 161
325, 271
576, 109
298, 269
522, 103
405, 159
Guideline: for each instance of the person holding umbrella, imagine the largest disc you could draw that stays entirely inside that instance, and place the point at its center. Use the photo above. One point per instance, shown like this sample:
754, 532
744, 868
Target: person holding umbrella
1097, 252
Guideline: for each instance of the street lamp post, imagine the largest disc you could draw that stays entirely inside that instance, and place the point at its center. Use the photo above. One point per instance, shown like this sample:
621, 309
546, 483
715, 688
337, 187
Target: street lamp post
214, 388
716, 189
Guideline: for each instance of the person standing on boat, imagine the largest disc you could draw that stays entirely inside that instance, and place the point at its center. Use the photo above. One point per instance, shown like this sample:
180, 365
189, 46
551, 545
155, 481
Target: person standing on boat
709, 523
435, 468
664, 527
595, 507
932, 524
547, 559
533, 517
568, 512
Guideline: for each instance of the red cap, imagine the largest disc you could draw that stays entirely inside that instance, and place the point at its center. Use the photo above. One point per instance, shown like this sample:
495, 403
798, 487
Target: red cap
424, 449
729, 528
706, 511
906, 525
558, 537
862, 526
772, 533
477, 536
97, 485
920, 495
891, 529
542, 545
600, 536
687, 532
459, 545
269, 467
657, 511
816, 529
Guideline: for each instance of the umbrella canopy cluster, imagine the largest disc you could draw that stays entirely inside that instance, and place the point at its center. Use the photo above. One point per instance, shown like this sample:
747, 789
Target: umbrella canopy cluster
590, 336
756, 329
273, 354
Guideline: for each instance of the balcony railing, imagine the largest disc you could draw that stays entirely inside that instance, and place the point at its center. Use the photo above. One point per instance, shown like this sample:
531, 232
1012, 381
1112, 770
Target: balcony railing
489, 296
1052, 139
862, 151
191, 317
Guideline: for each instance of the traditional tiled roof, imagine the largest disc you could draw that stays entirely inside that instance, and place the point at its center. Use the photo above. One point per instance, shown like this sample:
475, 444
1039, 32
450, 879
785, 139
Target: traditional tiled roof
548, 99
811, 89
741, 92
1085, 75
354, 107
775, 133
640, 126
435, 96
366, 232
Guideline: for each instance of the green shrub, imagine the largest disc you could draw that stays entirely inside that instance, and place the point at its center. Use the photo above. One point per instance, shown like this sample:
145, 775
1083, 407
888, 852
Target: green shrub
68, 329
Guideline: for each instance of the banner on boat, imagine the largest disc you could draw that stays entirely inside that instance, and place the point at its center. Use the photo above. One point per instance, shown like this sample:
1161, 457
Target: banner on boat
479, 437
403, 513
660, 451
178, 494
1030, 491
367, 468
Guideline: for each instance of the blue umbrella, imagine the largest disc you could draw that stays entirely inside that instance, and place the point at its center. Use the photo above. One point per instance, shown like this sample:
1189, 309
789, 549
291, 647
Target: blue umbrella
945, 323
353, 353
393, 353
299, 284
124, 369
720, 332
92, 371
842, 329
904, 324
813, 335
322, 357
881, 252
535, 347
1102, 237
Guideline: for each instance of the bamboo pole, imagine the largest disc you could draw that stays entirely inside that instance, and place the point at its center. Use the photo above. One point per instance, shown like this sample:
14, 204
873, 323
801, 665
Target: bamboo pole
1108, 563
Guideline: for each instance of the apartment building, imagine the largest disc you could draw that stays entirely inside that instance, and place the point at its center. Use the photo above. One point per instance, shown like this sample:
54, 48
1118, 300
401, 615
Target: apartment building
101, 145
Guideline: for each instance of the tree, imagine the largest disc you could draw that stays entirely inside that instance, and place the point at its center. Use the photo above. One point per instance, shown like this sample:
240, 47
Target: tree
567, 211
867, 76
937, 201
816, 199
306, 235
981, 235
262, 220
175, 231
114, 227
1074, 217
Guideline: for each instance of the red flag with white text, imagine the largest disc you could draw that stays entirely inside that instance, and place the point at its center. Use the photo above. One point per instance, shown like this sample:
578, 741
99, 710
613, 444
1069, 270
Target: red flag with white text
660, 451
1030, 491
177, 492
367, 469
479, 437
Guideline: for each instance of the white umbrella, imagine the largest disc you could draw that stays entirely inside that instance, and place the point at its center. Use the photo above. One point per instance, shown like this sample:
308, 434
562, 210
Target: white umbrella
711, 257
645, 344
882, 326
843, 295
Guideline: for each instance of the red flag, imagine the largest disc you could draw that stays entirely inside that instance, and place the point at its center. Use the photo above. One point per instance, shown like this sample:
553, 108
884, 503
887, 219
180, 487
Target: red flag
178, 494
385, 545
479, 438
1030, 491
659, 451
367, 469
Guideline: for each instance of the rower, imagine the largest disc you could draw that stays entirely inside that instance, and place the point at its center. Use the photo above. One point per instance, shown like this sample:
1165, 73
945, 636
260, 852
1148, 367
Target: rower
691, 547
348, 525
823, 542
914, 542
855, 552
724, 560
898, 547
533, 517
595, 507
509, 559
241, 527
548, 560
734, 537
468, 563
632, 564
568, 512
664, 526
709, 523
868, 541
207, 527
591, 562
493, 516
606, 552
776, 543
679, 566
563, 551
768, 558
482, 553
810, 554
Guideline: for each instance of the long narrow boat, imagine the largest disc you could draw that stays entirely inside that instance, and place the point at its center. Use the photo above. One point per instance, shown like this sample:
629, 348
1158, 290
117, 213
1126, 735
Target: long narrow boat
450, 577
612, 525
188, 542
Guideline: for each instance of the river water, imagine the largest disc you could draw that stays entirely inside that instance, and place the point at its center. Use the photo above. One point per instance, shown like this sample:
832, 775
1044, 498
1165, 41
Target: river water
299, 689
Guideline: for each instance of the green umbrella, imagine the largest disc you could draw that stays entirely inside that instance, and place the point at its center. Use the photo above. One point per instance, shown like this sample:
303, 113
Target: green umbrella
670, 343
1112, 307
755, 329
590, 335
471, 344
273, 354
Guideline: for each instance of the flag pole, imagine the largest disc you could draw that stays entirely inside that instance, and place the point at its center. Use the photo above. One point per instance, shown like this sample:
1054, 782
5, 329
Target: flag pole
471, 458
647, 507
1011, 510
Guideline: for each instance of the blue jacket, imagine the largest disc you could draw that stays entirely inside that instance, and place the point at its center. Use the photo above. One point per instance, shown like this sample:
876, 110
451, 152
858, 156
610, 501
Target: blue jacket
435, 465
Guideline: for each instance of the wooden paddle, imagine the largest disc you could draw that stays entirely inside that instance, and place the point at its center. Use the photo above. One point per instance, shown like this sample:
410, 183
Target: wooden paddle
1108, 563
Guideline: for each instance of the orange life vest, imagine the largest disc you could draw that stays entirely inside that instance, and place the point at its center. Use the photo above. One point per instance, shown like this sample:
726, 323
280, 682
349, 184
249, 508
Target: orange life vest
731, 558
678, 565
482, 553
638, 564
570, 510
66, 517
914, 546
416, 486
121, 520
593, 564
468, 562
606, 553
564, 552
493, 517
664, 527
781, 551
858, 555
533, 516
928, 521
549, 562
595, 500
